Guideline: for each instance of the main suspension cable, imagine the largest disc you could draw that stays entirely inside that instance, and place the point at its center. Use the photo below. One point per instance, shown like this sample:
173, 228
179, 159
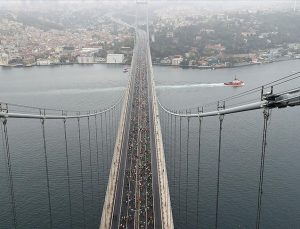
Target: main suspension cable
38, 109
257, 89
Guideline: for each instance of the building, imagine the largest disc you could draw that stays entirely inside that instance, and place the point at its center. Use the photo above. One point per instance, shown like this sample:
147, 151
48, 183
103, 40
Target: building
86, 59
42, 62
115, 58
100, 60
177, 60
4, 59
166, 61
126, 50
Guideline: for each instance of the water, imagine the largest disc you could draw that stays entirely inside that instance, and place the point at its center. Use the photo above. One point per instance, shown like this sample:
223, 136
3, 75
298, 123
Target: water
95, 86
240, 155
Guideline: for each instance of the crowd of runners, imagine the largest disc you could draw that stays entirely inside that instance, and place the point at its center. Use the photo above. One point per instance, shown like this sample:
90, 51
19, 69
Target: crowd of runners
137, 196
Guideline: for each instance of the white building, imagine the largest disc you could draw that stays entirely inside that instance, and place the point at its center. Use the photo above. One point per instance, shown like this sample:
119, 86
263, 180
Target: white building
177, 60
4, 59
100, 59
43, 62
86, 59
115, 58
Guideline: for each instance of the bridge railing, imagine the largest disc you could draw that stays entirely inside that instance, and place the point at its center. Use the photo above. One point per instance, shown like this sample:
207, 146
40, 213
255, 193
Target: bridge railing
165, 202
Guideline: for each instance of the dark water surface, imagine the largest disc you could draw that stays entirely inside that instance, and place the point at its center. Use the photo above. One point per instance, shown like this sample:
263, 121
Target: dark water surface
92, 87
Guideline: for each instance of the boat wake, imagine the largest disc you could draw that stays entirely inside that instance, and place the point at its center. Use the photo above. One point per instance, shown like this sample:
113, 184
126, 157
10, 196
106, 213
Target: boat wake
181, 86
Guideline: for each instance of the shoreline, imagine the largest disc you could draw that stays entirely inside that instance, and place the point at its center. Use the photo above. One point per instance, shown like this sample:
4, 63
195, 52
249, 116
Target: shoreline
221, 67
155, 64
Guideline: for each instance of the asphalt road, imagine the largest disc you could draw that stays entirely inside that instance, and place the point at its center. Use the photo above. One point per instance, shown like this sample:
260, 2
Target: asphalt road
137, 195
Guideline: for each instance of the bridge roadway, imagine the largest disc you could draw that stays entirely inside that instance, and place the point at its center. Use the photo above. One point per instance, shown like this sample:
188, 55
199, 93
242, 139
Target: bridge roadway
136, 202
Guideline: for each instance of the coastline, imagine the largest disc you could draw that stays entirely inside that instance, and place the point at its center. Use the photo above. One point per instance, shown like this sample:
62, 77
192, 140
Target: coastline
156, 64
222, 67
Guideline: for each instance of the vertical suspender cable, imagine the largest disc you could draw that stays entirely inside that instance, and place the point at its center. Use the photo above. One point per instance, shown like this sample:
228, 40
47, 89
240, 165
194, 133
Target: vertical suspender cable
165, 126
81, 173
221, 118
91, 168
97, 150
262, 166
102, 142
68, 172
47, 172
168, 141
10, 173
114, 126
174, 159
171, 148
112, 130
187, 170
106, 140
110, 133
179, 175
199, 158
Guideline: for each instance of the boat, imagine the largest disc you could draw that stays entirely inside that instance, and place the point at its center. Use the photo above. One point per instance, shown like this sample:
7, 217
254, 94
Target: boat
125, 69
235, 83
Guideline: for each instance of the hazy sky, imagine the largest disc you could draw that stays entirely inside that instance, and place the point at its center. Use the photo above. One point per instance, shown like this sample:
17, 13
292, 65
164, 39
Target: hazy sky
212, 4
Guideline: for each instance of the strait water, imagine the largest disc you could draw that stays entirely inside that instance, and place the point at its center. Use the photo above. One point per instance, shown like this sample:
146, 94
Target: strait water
95, 86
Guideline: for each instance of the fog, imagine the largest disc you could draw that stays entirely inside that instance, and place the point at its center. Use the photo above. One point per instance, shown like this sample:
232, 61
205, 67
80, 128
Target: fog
212, 5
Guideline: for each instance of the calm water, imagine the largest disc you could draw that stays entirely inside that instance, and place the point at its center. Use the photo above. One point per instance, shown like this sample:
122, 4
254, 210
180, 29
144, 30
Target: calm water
91, 87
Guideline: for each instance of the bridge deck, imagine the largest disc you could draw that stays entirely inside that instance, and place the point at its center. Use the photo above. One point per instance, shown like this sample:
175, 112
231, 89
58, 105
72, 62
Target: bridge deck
137, 187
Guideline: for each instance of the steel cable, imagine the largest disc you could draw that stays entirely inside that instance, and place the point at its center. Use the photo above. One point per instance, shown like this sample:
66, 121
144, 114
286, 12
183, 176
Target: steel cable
221, 118
106, 144
47, 172
102, 143
81, 172
174, 161
68, 173
110, 135
171, 149
90, 159
180, 151
97, 151
266, 114
10, 172
187, 170
199, 159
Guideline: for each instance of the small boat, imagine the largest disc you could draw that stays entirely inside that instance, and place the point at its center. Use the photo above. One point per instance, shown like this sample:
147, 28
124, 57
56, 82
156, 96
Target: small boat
235, 83
125, 69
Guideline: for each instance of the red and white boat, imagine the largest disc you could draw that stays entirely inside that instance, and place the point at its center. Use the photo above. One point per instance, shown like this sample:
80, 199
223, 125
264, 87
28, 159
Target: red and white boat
235, 83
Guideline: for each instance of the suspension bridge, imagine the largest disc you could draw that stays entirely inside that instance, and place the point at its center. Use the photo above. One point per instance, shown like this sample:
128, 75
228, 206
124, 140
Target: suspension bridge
130, 138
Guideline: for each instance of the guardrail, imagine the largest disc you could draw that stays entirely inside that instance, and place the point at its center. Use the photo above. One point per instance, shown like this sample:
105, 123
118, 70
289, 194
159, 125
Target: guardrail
165, 201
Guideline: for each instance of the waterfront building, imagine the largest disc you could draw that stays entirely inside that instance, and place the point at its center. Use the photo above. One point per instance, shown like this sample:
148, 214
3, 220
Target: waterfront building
115, 58
4, 59
43, 62
177, 60
86, 59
